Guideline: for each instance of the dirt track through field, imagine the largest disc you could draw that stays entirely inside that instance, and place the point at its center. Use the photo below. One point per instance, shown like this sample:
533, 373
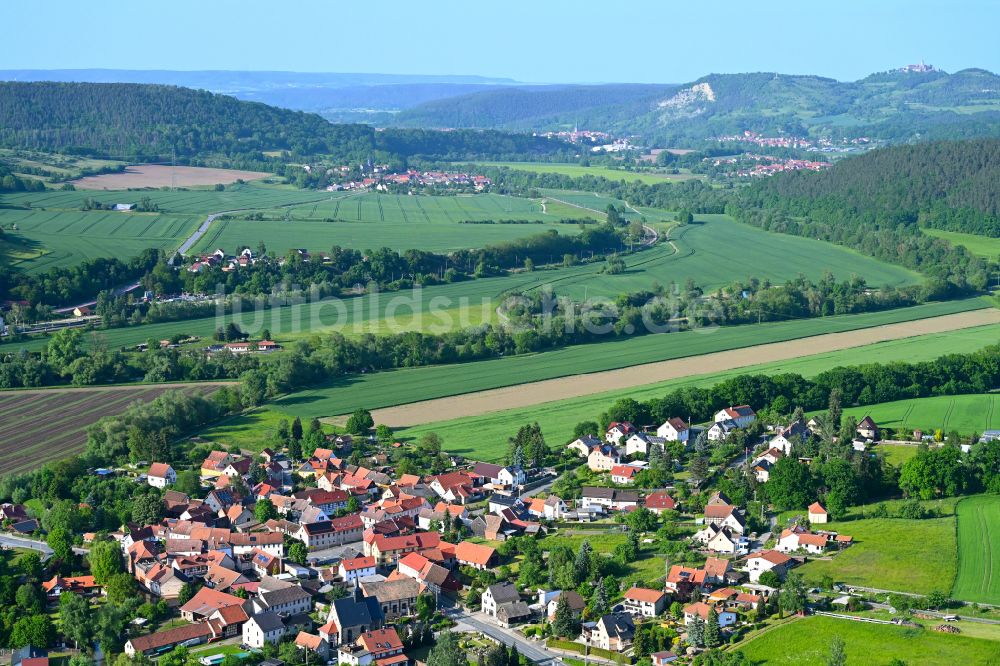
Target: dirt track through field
574, 386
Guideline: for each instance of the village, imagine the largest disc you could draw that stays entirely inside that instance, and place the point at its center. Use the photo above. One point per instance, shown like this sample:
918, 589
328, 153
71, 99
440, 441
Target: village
357, 562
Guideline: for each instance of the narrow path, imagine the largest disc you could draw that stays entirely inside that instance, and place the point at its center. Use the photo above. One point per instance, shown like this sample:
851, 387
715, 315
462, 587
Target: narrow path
574, 386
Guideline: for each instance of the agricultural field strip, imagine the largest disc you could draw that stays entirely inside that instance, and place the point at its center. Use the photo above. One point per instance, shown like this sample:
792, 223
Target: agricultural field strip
629, 355
105, 401
978, 577
965, 413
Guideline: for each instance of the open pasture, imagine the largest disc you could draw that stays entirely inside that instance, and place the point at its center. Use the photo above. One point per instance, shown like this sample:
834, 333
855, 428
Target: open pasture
579, 171
806, 642
37, 426
983, 246
401, 222
163, 175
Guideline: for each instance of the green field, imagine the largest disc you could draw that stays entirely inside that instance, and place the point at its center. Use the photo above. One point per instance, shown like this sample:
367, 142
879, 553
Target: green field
978, 550
400, 222
965, 413
48, 238
806, 642
578, 171
918, 556
984, 246
485, 437
395, 387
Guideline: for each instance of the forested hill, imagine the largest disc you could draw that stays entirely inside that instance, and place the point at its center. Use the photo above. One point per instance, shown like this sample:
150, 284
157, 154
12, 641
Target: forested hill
895, 106
951, 185
140, 122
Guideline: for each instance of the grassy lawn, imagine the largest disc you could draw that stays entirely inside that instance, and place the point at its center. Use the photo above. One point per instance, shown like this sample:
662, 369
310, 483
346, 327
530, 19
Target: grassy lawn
558, 417
978, 550
918, 556
897, 454
806, 642
251, 430
984, 246
647, 569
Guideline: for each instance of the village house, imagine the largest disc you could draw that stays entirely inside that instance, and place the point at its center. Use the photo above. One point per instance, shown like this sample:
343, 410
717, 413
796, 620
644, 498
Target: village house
498, 476
623, 475
725, 515
350, 617
639, 443
263, 628
328, 533
720, 430
387, 550
660, 501
603, 458
609, 499
701, 610
767, 560
512, 613
817, 514
356, 567
795, 539
614, 632
741, 415
161, 475
583, 445
868, 429
644, 602
789, 436
396, 596
550, 508
475, 555
573, 600
674, 430
617, 431
497, 594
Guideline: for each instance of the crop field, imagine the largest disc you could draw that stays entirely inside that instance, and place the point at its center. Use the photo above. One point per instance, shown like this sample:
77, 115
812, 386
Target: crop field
978, 550
984, 246
47, 238
717, 251
160, 175
484, 436
578, 171
806, 642
200, 201
965, 413
37, 426
397, 387
400, 222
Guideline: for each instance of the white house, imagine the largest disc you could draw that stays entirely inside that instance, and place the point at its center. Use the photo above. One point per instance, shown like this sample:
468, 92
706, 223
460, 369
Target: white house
674, 430
583, 445
799, 539
263, 628
742, 415
356, 567
817, 514
616, 431
789, 436
720, 430
161, 475
644, 602
603, 458
767, 560
496, 595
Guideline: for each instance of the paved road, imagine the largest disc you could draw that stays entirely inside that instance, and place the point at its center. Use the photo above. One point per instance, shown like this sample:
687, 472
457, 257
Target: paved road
534, 651
21, 542
196, 236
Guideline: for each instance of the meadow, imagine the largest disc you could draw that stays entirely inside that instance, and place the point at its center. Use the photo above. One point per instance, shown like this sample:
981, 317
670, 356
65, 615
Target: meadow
48, 238
400, 222
484, 437
978, 577
806, 642
984, 246
578, 171
918, 556
965, 413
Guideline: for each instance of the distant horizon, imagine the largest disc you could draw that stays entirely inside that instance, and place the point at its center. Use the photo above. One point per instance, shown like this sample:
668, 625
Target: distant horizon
486, 79
637, 41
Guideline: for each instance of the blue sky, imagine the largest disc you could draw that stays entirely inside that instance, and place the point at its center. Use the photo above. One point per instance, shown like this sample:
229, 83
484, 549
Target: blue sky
543, 41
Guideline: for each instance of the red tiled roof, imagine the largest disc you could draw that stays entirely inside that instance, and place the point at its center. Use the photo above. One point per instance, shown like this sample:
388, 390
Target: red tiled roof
644, 594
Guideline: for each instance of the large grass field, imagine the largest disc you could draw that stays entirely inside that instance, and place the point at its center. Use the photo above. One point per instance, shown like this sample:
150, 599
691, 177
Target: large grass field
395, 387
578, 171
984, 246
918, 556
48, 238
978, 550
400, 222
484, 437
806, 642
965, 413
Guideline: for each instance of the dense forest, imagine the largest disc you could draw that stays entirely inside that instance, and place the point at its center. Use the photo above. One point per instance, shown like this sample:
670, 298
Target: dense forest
138, 122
